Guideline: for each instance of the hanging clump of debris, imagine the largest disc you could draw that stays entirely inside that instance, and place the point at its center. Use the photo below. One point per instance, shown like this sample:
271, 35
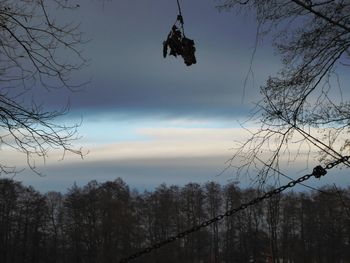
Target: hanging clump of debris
178, 44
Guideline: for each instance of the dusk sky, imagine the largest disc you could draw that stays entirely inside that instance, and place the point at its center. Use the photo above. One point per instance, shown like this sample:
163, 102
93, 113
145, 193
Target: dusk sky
151, 120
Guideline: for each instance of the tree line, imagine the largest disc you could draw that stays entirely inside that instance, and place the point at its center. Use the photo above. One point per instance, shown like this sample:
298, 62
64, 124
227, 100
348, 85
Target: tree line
103, 222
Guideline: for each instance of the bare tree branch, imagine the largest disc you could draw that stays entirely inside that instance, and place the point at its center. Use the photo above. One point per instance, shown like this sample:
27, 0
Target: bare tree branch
299, 105
33, 55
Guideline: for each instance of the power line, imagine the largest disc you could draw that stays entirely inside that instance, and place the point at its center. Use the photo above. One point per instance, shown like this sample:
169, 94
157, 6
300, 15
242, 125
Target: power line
290, 178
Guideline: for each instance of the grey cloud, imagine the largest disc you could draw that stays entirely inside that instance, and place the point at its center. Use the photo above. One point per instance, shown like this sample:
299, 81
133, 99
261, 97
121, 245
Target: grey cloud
130, 74
148, 174
140, 174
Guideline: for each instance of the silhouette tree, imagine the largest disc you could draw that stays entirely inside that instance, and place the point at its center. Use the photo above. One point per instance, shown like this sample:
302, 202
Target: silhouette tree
54, 232
303, 105
213, 207
104, 222
193, 210
231, 196
36, 51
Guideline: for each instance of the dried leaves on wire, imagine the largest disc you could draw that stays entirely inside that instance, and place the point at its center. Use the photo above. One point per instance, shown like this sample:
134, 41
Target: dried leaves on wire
179, 45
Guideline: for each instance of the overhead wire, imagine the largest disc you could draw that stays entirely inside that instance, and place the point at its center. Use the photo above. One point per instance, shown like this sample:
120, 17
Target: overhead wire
288, 177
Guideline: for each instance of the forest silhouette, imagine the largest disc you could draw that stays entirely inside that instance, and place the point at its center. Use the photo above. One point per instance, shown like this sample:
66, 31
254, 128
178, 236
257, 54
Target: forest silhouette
104, 222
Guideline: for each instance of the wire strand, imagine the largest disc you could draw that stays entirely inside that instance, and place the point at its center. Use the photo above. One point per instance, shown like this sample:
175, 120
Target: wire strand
179, 7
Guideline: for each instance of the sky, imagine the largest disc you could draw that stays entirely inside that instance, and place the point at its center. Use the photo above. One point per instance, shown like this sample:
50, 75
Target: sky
150, 120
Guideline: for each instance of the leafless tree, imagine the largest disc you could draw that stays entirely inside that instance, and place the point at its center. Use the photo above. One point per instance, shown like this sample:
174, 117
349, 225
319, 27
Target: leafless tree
303, 106
36, 51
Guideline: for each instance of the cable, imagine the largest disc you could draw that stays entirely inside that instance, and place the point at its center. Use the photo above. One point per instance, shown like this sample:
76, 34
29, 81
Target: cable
179, 7
290, 178
317, 172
